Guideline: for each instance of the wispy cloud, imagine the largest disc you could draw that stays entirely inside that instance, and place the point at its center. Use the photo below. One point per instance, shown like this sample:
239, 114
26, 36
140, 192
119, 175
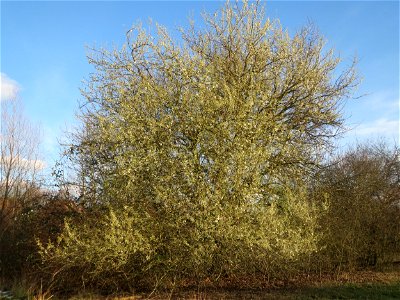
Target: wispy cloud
383, 100
20, 163
36, 164
381, 127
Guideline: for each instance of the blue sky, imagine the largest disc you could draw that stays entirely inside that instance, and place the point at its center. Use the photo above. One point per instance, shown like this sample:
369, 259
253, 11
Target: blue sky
43, 54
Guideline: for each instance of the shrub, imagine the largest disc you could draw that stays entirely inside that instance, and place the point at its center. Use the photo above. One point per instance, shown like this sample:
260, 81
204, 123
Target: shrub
41, 218
362, 225
126, 251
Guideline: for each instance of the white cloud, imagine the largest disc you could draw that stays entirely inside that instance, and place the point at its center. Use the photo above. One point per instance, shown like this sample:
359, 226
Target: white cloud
383, 100
28, 165
9, 88
382, 127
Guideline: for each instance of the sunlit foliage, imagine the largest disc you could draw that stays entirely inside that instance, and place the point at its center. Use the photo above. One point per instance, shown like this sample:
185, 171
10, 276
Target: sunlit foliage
193, 154
224, 116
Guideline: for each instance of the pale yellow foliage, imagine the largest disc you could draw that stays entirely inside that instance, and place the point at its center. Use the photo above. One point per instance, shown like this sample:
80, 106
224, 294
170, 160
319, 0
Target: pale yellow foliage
223, 117
204, 141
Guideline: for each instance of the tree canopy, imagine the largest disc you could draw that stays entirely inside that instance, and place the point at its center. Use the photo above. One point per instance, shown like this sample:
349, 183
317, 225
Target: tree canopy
224, 114
193, 157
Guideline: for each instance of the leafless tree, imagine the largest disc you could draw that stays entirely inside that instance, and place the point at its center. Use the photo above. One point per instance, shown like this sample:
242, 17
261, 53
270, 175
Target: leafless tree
20, 166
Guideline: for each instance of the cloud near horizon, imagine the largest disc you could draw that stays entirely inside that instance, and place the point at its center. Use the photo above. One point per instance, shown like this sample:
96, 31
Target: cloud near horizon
25, 164
9, 88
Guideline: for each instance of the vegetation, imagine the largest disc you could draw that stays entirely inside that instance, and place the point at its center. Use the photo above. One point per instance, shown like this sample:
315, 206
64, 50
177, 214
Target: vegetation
201, 164
363, 188
19, 181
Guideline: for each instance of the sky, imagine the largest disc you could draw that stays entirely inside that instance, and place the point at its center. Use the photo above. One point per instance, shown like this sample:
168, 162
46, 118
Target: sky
44, 47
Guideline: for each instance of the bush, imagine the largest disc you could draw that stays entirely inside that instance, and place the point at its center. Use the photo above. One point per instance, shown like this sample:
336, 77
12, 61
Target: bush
41, 218
195, 148
127, 251
362, 225
106, 253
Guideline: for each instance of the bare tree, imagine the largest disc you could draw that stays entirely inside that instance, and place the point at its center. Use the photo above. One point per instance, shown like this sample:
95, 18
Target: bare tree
20, 166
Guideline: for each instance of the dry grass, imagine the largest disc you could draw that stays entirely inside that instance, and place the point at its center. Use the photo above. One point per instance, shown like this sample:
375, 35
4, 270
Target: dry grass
368, 284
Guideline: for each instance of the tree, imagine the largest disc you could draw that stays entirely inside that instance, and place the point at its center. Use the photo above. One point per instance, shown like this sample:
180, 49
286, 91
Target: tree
362, 188
226, 115
19, 161
20, 188
188, 154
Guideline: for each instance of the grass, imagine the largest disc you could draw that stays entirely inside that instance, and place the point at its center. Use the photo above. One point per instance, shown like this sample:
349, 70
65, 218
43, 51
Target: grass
383, 285
359, 285
22, 290
347, 291
352, 291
